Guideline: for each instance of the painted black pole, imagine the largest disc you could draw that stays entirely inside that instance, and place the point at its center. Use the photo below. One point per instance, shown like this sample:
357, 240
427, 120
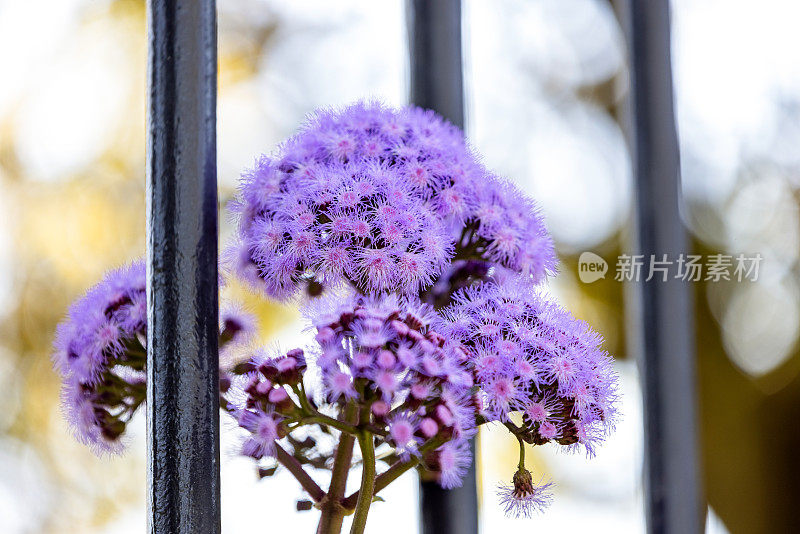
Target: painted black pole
182, 366
661, 319
434, 36
437, 83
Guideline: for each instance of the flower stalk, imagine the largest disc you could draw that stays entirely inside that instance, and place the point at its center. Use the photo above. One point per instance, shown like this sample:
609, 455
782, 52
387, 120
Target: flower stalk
367, 489
333, 510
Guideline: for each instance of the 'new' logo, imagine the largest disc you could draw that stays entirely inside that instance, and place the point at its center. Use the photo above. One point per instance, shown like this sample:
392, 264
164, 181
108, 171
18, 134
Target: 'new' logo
591, 267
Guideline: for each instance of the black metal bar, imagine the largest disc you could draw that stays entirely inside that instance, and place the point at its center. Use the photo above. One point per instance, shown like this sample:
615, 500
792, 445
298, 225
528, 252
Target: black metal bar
661, 320
182, 366
434, 37
437, 83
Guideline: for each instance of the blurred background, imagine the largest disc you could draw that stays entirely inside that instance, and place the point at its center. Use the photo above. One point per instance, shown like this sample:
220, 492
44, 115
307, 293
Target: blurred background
544, 83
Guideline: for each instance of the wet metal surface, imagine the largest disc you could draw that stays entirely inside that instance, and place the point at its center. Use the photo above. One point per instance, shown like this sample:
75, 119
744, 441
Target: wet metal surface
182, 396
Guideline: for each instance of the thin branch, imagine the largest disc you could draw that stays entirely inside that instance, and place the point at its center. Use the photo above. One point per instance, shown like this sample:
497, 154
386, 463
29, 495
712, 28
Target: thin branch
314, 416
344, 455
295, 468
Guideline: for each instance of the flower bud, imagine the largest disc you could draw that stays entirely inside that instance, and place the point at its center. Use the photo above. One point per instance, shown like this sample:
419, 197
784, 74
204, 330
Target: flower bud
428, 427
380, 408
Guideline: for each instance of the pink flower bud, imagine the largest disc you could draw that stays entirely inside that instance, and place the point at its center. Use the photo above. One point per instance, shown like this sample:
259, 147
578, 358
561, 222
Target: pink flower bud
380, 408
325, 336
428, 427
400, 328
277, 396
386, 359
263, 388
444, 415
286, 364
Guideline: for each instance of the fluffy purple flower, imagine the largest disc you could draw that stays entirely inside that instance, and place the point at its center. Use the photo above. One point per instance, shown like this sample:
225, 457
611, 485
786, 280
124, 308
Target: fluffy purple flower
264, 427
523, 498
530, 355
391, 349
381, 199
381, 353
351, 198
402, 430
98, 325
99, 351
506, 228
452, 462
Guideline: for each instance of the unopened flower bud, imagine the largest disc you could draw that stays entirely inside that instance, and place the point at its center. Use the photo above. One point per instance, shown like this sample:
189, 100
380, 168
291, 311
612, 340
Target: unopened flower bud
280, 398
269, 370
399, 327
444, 415
428, 427
420, 391
325, 336
380, 408
263, 388
277, 395
286, 364
386, 359
299, 358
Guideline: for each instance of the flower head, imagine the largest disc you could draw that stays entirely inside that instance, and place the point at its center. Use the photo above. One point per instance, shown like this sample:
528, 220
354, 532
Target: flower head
530, 355
511, 232
523, 498
390, 347
99, 351
453, 461
402, 430
381, 354
264, 427
351, 197
381, 199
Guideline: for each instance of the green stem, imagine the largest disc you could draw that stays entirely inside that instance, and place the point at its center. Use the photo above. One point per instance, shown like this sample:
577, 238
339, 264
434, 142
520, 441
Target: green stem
300, 391
367, 483
521, 453
313, 416
394, 472
333, 512
330, 421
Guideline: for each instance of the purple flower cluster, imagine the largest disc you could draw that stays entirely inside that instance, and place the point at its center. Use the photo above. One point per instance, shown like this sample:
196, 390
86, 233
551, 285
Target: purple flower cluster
382, 199
260, 401
99, 351
388, 352
382, 354
390, 216
529, 355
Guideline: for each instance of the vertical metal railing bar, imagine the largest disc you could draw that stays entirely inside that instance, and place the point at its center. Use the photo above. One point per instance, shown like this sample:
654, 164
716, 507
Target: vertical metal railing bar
437, 74
437, 83
182, 367
661, 312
